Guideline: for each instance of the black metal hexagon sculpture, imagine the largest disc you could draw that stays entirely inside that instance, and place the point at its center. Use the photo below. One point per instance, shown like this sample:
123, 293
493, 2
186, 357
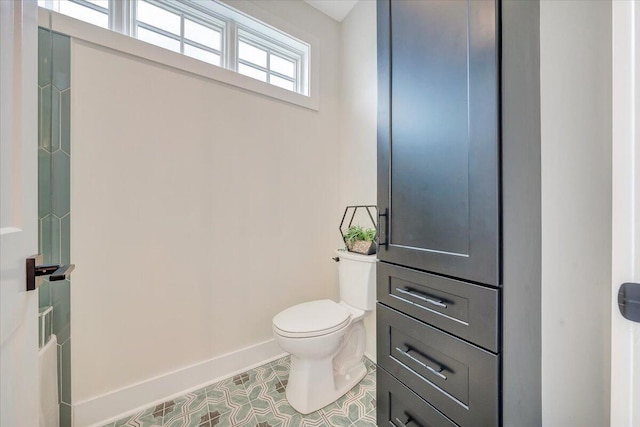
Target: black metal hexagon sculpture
356, 236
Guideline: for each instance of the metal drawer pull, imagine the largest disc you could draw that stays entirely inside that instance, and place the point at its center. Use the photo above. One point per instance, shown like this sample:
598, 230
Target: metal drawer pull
410, 420
434, 371
436, 302
400, 423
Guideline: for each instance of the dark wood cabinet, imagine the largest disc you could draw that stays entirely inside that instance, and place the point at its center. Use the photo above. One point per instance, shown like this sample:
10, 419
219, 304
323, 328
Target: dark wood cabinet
438, 179
457, 378
398, 406
469, 311
458, 314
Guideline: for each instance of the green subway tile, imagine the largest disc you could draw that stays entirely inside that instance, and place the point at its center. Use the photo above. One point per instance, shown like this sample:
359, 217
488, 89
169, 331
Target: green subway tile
44, 183
44, 117
45, 239
65, 240
64, 331
65, 378
54, 62
59, 350
65, 415
60, 183
61, 309
44, 57
44, 295
61, 61
40, 116
65, 121
55, 240
55, 119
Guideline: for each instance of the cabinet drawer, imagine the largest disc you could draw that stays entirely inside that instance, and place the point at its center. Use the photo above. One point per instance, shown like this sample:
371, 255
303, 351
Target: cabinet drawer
457, 378
462, 309
397, 405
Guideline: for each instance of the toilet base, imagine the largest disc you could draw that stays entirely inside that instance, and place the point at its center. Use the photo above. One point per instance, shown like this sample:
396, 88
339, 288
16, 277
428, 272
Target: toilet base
313, 384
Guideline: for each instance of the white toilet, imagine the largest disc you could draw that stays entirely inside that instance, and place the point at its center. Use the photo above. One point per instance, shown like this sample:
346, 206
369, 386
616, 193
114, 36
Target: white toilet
326, 339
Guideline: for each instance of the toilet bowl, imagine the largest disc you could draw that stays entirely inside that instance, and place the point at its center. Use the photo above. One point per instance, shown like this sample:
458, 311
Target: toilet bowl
327, 339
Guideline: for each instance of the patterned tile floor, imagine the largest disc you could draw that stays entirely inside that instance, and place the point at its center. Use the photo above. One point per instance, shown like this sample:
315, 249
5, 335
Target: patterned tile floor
256, 398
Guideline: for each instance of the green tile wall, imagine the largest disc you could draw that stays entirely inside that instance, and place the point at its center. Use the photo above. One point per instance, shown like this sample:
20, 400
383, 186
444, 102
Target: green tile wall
54, 157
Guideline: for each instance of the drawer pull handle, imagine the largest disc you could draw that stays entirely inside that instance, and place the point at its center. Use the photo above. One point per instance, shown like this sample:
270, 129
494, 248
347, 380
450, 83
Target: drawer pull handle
421, 297
435, 371
405, 424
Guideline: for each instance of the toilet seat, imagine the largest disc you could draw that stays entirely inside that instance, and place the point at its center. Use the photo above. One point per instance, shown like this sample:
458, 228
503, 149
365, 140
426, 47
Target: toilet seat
311, 319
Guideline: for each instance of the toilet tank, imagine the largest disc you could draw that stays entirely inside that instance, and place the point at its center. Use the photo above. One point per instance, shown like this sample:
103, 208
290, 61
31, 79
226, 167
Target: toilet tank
357, 276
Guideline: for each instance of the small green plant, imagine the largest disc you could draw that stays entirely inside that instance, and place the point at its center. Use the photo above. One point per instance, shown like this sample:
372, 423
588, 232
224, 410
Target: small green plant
356, 233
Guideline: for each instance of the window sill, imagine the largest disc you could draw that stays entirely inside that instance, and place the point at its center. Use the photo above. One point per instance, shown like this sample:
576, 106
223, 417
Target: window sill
119, 42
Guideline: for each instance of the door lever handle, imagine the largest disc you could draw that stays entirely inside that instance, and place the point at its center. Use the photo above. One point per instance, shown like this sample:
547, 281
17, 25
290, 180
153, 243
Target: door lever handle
62, 272
36, 270
629, 301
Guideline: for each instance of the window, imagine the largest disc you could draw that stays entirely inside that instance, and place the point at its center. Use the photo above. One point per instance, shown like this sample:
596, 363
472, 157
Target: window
95, 12
205, 30
177, 29
268, 62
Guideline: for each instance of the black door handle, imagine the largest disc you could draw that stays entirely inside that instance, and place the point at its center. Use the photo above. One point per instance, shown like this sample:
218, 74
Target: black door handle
629, 301
36, 270
384, 230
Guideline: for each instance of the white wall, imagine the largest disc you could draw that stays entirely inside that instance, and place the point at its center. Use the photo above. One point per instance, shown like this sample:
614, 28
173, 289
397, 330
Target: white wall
359, 98
199, 210
575, 50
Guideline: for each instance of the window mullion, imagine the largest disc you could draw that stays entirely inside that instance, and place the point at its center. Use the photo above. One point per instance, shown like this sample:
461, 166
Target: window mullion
188, 42
128, 15
268, 65
231, 46
133, 18
160, 31
299, 76
283, 77
182, 33
252, 65
116, 12
89, 5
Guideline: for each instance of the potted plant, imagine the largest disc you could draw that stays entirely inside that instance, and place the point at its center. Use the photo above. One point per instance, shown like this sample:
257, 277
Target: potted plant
360, 240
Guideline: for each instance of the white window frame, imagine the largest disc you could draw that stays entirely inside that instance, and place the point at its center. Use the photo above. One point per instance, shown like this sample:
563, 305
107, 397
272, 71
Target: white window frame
55, 5
232, 24
191, 12
281, 41
247, 35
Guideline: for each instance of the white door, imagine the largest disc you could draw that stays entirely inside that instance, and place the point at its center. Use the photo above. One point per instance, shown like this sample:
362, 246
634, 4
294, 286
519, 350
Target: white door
18, 213
625, 335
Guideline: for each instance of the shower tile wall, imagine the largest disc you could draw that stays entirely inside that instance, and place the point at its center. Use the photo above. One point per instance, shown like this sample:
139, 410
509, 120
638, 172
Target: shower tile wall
54, 149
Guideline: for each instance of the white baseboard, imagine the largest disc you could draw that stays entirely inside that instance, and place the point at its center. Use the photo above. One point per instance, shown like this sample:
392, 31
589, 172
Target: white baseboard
129, 400
371, 356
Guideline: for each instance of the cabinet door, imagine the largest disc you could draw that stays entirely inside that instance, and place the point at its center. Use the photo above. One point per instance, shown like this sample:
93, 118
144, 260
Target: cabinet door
438, 161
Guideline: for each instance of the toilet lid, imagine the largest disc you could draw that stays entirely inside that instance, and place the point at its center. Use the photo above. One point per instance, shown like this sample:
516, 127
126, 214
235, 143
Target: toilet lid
311, 319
